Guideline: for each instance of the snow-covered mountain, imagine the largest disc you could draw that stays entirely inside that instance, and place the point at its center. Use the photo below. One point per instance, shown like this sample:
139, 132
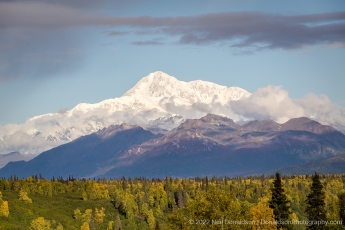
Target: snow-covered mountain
159, 86
157, 100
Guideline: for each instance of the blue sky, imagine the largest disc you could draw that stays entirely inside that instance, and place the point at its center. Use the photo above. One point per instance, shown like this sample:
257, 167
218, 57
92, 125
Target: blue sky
56, 54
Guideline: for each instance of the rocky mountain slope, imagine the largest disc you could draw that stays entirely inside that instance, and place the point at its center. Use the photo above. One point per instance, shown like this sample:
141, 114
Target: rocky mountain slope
83, 156
216, 145
211, 145
161, 102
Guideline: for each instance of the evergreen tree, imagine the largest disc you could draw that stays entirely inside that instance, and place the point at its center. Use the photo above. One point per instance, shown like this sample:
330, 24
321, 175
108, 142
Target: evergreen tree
157, 226
342, 207
279, 203
316, 204
166, 185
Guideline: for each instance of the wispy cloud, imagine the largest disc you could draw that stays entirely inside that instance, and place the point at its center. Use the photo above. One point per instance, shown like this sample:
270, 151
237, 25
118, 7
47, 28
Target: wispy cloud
336, 45
117, 33
33, 33
144, 43
268, 30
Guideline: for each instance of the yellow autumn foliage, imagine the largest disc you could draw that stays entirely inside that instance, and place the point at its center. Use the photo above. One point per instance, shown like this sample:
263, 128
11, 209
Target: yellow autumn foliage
4, 211
23, 196
263, 217
40, 224
99, 215
85, 226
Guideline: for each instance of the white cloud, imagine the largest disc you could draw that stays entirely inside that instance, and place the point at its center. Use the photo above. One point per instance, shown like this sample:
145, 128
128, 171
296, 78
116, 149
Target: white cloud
320, 108
270, 102
273, 102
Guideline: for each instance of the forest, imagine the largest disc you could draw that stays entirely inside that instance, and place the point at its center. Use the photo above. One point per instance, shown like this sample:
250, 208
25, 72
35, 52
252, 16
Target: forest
253, 202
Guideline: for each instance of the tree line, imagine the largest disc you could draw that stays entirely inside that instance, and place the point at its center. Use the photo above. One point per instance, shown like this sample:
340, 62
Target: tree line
254, 202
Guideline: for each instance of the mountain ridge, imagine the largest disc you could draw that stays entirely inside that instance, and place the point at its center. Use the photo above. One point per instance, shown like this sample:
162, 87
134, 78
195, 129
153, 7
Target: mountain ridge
83, 154
210, 145
157, 101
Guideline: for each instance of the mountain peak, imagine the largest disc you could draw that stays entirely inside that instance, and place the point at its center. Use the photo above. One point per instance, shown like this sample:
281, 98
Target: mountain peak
159, 85
207, 122
214, 118
156, 84
152, 100
262, 126
307, 124
158, 76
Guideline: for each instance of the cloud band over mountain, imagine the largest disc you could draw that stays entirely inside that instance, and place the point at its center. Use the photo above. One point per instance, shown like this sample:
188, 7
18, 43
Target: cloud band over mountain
273, 102
160, 100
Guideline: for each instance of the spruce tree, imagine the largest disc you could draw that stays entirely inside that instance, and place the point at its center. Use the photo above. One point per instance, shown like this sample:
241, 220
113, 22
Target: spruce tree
342, 207
315, 209
157, 226
279, 203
